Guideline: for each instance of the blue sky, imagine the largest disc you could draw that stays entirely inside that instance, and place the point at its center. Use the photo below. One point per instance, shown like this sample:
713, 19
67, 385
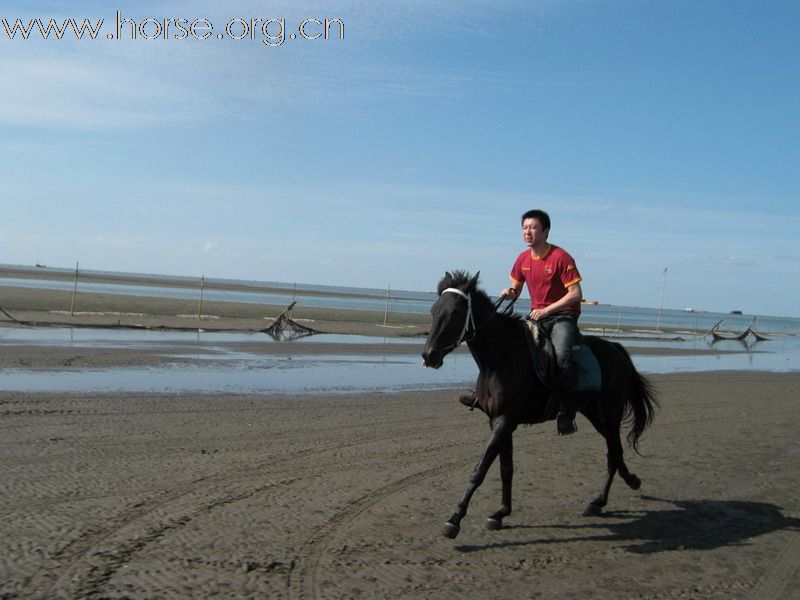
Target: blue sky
657, 135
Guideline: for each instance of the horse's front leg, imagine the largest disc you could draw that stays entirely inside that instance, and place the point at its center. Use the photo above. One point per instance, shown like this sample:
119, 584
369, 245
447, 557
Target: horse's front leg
500, 432
495, 522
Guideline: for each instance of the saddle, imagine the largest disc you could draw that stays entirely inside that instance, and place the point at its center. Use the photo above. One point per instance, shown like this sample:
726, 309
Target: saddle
543, 357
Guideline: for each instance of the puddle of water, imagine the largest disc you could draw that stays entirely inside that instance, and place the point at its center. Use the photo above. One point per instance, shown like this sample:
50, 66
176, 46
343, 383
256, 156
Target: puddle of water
243, 374
238, 372
256, 375
111, 338
751, 361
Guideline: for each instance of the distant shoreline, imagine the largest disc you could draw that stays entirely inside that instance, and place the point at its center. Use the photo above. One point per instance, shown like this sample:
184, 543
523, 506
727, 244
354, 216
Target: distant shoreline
44, 307
183, 281
404, 310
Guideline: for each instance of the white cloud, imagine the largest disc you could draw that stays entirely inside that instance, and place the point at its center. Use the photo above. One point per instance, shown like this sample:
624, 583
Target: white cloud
59, 92
108, 84
109, 241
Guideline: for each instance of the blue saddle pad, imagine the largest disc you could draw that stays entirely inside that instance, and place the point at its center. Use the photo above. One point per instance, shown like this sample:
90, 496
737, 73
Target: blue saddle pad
589, 376
588, 368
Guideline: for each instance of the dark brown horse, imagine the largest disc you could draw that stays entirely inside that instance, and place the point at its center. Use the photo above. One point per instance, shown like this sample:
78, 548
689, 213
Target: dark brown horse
510, 393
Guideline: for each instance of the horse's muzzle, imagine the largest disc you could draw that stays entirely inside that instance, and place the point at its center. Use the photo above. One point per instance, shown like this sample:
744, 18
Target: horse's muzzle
432, 358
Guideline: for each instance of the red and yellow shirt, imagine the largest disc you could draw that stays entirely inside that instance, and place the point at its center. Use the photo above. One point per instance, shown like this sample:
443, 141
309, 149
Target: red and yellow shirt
547, 277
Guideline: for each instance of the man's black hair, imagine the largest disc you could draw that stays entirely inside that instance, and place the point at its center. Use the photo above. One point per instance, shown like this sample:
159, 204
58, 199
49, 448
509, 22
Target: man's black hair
539, 215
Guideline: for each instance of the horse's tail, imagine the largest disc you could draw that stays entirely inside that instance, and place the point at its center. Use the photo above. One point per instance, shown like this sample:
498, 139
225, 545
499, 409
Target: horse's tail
640, 405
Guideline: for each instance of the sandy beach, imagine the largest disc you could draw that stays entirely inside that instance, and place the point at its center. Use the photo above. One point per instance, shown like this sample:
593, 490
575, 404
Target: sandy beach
53, 307
146, 496
179, 496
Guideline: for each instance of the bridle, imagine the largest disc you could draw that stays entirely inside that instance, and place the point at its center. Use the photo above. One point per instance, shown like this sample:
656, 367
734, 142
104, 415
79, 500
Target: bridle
469, 320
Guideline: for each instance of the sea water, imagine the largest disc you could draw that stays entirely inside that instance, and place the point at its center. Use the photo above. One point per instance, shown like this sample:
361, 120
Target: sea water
220, 366
606, 318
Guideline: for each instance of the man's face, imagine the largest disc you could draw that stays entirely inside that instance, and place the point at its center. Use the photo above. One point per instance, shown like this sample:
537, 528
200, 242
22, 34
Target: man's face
532, 233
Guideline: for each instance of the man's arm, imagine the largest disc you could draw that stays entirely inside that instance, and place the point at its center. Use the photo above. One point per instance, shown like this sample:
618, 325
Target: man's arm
512, 291
573, 296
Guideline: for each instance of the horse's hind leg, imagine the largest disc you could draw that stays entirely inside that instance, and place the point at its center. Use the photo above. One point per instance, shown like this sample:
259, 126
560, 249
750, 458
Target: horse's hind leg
595, 507
632, 480
614, 463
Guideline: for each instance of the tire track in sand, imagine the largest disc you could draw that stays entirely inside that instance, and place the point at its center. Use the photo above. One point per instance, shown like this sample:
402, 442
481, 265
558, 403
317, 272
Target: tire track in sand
87, 566
775, 583
88, 575
93, 559
303, 576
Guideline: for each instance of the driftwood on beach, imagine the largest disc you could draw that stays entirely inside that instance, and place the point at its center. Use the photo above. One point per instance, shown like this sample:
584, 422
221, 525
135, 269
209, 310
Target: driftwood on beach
3, 310
284, 322
742, 337
283, 327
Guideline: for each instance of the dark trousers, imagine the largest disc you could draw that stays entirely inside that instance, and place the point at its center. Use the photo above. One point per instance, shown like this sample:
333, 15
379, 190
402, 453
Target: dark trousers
563, 330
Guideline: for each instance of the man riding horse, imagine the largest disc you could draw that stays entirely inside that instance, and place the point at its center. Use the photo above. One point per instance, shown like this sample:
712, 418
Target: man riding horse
554, 286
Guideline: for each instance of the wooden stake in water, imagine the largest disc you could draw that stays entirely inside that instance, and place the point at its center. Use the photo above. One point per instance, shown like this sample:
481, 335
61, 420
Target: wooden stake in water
661, 305
386, 310
200, 305
74, 292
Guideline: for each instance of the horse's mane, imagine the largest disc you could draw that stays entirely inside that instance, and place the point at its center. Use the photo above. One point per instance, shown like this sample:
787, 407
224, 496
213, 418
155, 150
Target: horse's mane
464, 281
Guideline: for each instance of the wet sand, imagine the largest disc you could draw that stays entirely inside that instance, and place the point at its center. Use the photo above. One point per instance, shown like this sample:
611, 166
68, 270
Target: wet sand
45, 307
165, 353
42, 308
152, 496
202, 496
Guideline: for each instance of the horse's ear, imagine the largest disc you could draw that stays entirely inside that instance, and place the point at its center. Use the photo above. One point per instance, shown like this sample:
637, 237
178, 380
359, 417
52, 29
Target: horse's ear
444, 283
473, 283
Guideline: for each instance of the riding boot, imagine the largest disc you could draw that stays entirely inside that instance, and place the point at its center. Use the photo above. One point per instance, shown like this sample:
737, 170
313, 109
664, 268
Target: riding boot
565, 420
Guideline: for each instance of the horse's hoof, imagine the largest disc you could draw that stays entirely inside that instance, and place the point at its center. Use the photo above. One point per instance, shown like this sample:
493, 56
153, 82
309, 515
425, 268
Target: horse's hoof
494, 524
593, 510
634, 482
450, 530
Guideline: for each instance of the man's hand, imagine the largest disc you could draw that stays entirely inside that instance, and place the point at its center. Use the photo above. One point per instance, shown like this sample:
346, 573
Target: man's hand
538, 314
509, 292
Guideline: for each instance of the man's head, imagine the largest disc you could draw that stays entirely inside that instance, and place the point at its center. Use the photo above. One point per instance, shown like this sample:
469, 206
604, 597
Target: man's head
539, 215
535, 228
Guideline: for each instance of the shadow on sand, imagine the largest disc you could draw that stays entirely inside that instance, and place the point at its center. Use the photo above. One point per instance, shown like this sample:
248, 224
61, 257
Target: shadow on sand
687, 525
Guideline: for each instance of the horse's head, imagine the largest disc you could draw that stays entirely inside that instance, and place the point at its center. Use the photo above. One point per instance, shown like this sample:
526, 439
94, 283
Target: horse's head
453, 318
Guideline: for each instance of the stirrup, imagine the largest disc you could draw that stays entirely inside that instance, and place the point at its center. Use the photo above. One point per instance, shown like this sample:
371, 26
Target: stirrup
470, 401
